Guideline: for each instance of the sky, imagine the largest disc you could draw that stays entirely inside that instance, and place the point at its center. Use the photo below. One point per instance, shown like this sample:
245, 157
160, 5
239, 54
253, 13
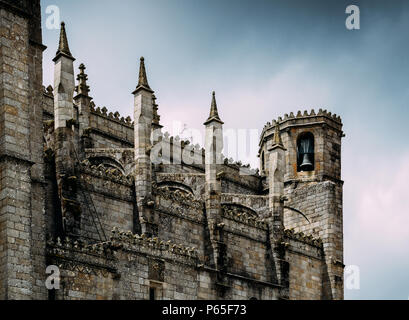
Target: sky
265, 59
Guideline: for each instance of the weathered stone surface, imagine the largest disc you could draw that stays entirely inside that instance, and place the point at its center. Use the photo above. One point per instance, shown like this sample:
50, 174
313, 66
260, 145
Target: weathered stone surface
121, 227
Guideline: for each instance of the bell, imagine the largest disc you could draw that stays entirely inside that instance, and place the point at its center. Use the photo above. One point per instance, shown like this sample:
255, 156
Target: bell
306, 164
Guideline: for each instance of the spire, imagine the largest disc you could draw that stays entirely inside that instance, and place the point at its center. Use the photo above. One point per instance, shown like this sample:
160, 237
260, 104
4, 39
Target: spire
82, 88
63, 48
214, 115
143, 80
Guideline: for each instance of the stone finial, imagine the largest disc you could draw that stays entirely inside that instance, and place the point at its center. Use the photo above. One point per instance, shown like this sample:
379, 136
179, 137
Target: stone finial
63, 48
156, 116
214, 115
50, 90
143, 80
82, 88
213, 110
277, 141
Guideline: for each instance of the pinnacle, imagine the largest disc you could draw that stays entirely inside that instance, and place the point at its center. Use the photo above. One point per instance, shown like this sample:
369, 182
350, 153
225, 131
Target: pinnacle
63, 45
143, 79
277, 136
82, 88
214, 115
156, 116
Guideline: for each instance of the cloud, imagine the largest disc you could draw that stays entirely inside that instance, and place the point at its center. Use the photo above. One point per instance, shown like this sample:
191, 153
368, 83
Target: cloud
376, 219
292, 88
382, 211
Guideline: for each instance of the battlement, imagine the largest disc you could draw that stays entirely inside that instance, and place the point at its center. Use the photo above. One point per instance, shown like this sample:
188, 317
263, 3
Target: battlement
59, 246
302, 119
300, 236
119, 239
133, 242
116, 116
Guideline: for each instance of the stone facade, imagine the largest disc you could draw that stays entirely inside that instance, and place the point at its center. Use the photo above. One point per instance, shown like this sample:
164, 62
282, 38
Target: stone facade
80, 190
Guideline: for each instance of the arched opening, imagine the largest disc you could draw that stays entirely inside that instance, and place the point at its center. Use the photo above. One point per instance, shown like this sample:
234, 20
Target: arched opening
263, 162
305, 152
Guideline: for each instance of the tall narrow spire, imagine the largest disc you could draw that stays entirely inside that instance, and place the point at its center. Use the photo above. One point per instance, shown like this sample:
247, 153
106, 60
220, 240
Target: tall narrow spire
63, 48
143, 80
82, 88
214, 115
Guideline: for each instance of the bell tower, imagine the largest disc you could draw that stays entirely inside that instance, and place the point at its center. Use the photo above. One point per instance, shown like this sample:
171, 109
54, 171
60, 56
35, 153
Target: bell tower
312, 184
313, 143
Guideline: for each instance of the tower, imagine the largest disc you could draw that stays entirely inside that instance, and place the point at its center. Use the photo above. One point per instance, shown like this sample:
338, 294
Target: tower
213, 189
65, 153
64, 83
22, 225
275, 218
312, 184
143, 118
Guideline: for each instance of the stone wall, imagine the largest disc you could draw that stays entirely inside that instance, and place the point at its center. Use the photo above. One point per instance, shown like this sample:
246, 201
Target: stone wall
108, 132
247, 257
129, 267
181, 221
48, 105
305, 277
22, 222
322, 205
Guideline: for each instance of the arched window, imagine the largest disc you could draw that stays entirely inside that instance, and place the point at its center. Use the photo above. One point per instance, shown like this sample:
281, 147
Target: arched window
305, 152
263, 162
